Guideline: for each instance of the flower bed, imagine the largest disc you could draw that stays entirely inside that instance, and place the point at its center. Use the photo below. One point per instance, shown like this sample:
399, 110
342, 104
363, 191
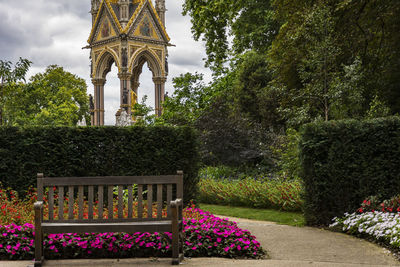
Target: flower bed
375, 219
382, 226
205, 235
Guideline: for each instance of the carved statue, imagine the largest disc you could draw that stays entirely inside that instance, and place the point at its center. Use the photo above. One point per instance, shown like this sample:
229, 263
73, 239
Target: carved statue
123, 119
133, 98
91, 103
166, 64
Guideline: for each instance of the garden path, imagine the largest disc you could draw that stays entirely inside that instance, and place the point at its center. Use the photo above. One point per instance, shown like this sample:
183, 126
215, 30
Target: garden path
287, 246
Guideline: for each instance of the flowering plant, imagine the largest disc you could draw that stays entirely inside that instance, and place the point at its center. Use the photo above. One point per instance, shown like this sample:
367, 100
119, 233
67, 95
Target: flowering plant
249, 192
382, 226
204, 234
372, 203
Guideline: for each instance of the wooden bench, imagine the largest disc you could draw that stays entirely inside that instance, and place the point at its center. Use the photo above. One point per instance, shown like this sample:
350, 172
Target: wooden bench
164, 188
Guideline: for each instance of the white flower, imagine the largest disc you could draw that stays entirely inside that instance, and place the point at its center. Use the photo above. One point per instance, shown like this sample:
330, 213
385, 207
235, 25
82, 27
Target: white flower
377, 224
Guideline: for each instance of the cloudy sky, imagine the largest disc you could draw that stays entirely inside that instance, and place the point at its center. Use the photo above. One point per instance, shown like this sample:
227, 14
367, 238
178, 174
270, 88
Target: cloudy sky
54, 32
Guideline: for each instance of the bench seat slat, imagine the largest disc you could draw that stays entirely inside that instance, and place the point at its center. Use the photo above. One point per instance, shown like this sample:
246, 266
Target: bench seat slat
115, 220
111, 180
129, 227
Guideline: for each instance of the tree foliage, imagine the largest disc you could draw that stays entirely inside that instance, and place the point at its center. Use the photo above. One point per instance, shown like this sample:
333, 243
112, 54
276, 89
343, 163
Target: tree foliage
249, 23
324, 59
142, 113
279, 64
255, 96
190, 98
55, 97
8, 79
358, 42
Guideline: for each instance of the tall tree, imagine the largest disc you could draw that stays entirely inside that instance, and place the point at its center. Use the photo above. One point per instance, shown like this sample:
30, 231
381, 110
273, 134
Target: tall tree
190, 98
8, 77
55, 97
317, 68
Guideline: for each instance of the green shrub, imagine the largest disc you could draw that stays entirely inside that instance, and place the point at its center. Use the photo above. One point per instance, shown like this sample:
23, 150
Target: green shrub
97, 151
343, 162
248, 192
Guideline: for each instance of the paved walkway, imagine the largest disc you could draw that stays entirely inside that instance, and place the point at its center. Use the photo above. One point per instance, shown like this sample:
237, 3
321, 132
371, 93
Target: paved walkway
287, 246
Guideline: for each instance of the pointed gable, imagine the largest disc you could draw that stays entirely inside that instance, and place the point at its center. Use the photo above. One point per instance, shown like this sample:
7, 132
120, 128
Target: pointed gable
106, 24
145, 23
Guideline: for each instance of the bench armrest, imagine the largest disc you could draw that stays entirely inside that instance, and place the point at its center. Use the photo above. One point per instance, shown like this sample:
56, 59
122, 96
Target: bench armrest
38, 205
176, 203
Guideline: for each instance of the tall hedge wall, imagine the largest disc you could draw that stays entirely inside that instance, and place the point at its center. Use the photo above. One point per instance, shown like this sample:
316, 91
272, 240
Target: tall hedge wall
345, 161
97, 151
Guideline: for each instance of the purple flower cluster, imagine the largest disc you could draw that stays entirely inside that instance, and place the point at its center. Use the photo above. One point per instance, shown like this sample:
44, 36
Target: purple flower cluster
204, 234
213, 236
16, 241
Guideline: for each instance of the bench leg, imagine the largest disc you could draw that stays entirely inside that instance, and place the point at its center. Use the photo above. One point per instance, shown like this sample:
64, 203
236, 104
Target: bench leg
39, 257
38, 238
175, 237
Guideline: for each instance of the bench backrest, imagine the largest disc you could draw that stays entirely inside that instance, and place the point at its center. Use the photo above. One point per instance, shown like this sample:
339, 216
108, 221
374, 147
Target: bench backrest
134, 196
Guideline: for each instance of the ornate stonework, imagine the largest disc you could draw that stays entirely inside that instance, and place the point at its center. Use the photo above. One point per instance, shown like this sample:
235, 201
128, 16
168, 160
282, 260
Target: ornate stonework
128, 33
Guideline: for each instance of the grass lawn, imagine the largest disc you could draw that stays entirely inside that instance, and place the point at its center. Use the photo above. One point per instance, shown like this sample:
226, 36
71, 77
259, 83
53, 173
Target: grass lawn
280, 217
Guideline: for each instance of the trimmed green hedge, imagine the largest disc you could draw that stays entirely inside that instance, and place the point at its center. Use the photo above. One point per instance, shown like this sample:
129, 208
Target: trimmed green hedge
97, 151
345, 161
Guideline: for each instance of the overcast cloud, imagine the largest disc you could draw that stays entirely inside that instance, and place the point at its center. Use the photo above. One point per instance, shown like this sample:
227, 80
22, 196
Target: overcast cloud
53, 32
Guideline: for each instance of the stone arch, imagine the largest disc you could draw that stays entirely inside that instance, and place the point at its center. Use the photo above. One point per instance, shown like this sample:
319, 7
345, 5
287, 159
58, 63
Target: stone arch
150, 57
103, 65
137, 60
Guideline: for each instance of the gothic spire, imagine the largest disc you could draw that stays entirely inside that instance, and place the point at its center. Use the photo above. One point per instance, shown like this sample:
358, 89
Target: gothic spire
160, 8
95, 9
124, 12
